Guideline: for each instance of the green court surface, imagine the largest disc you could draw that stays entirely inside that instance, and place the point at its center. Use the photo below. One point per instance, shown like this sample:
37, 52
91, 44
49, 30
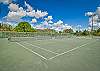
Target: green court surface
72, 54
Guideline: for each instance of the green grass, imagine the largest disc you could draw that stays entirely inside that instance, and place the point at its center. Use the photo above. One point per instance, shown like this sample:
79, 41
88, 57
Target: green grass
14, 57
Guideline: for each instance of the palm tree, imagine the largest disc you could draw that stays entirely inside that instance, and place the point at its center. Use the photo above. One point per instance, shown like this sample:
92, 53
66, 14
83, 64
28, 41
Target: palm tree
91, 15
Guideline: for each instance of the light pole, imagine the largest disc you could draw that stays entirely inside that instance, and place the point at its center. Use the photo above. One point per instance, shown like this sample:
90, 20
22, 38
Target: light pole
91, 15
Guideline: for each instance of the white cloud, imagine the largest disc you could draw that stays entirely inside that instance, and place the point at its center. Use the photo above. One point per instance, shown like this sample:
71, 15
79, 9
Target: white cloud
89, 28
67, 27
16, 15
34, 20
58, 24
5, 1
58, 29
16, 12
78, 26
29, 8
98, 11
39, 26
45, 23
13, 16
31, 14
89, 13
13, 7
49, 18
99, 24
21, 12
39, 14
50, 21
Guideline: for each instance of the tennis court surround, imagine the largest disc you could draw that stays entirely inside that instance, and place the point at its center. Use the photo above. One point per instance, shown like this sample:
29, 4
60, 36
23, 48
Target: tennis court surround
71, 54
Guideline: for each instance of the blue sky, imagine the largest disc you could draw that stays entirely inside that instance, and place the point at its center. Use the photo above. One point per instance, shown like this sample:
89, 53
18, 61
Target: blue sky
71, 12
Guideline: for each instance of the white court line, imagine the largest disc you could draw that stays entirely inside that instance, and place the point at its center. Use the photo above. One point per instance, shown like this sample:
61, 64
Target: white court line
42, 48
32, 51
68, 51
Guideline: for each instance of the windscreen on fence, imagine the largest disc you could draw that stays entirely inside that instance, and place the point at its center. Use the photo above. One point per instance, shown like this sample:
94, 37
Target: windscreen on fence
22, 36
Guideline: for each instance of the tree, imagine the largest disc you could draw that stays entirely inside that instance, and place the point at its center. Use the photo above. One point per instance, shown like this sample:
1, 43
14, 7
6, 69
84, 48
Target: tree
0, 26
5, 27
23, 27
68, 31
78, 33
98, 30
85, 33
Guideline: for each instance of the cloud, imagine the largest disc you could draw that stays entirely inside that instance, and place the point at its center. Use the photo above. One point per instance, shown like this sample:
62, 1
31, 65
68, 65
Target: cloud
31, 14
49, 18
39, 14
21, 12
99, 24
89, 28
13, 7
16, 15
16, 12
5, 1
58, 24
98, 11
78, 26
45, 23
39, 26
66, 26
34, 20
13, 16
50, 21
29, 8
89, 13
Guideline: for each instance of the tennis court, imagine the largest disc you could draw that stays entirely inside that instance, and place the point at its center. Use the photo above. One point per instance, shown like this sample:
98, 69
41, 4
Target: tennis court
71, 54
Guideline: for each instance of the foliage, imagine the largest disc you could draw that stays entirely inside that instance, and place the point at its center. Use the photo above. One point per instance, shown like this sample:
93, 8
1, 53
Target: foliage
85, 33
26, 27
5, 27
68, 31
97, 32
82, 33
23, 27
